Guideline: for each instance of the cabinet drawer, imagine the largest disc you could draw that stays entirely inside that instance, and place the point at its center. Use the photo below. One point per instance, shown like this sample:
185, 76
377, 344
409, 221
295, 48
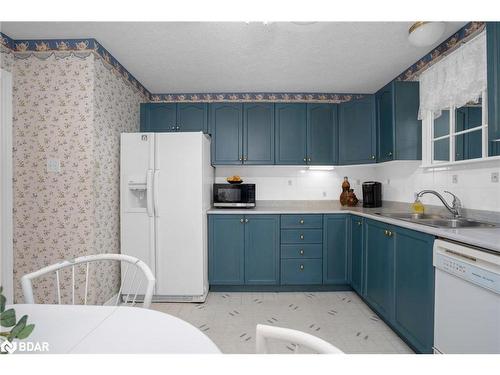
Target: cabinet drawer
301, 221
301, 271
297, 236
302, 251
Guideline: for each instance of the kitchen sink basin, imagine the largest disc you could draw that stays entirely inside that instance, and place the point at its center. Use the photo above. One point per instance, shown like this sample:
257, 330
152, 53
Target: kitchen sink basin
438, 221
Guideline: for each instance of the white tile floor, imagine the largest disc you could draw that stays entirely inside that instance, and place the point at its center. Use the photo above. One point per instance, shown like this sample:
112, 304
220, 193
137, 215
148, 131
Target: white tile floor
340, 318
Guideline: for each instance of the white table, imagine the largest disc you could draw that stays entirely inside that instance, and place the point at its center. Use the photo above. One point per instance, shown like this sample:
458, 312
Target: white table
112, 329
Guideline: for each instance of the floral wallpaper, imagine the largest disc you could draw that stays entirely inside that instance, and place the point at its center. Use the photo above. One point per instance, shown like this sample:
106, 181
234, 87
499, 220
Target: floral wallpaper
72, 109
53, 112
116, 110
6, 59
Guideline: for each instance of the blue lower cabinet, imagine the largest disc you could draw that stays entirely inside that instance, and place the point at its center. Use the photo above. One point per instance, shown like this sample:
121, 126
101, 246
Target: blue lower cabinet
379, 271
301, 221
335, 228
226, 249
414, 288
262, 247
301, 236
301, 271
302, 251
356, 254
244, 249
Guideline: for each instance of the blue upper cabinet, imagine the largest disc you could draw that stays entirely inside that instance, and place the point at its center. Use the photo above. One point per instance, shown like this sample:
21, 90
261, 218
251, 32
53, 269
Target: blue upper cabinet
379, 270
357, 131
335, 229
262, 249
356, 254
385, 123
192, 117
258, 133
399, 132
322, 134
226, 126
171, 117
493, 61
158, 117
414, 288
291, 133
226, 249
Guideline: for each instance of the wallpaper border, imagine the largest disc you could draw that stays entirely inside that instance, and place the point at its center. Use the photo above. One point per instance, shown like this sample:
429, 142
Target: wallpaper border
463, 35
43, 48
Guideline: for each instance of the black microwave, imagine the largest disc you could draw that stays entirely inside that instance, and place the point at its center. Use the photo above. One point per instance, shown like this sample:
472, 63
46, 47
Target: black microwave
234, 195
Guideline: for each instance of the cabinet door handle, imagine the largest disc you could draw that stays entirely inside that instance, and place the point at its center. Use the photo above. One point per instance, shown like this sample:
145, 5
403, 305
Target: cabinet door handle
241, 220
373, 157
386, 232
301, 236
309, 159
305, 159
246, 220
301, 221
178, 127
240, 159
389, 233
359, 222
301, 251
390, 154
301, 267
244, 158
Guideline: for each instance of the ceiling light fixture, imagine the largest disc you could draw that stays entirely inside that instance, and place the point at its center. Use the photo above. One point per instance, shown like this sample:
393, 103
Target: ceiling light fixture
423, 34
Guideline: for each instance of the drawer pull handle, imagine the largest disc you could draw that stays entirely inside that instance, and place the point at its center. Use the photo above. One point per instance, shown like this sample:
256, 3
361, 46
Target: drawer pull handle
301, 236
301, 252
301, 267
301, 221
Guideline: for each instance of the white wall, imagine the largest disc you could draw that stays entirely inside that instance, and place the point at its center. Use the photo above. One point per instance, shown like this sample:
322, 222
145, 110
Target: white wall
400, 180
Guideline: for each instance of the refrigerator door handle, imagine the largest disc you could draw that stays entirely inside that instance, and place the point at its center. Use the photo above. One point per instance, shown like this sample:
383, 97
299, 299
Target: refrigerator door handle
149, 193
155, 191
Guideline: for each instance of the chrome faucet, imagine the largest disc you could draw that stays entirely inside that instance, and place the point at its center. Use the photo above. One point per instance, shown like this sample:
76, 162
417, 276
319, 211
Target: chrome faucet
455, 207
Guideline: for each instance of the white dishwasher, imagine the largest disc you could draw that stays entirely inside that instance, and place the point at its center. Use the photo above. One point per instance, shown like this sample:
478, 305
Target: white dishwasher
467, 299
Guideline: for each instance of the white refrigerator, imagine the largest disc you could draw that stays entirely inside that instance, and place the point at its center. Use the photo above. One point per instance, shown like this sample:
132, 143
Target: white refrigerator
166, 189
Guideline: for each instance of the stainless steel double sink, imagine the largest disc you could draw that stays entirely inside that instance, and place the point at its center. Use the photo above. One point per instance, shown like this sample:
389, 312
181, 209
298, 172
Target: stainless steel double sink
438, 221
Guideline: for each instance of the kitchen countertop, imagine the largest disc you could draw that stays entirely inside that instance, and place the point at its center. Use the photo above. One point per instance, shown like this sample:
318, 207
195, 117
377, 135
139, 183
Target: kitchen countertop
487, 238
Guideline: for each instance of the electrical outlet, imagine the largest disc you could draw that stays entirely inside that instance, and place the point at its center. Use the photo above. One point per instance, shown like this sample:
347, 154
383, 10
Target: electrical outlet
454, 179
494, 176
358, 182
289, 182
388, 181
53, 165
324, 194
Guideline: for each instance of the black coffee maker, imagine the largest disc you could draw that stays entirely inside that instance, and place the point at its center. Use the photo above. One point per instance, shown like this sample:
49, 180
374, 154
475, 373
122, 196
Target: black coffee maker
372, 194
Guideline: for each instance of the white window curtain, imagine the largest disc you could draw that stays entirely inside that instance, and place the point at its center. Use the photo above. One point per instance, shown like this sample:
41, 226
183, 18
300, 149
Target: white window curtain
455, 80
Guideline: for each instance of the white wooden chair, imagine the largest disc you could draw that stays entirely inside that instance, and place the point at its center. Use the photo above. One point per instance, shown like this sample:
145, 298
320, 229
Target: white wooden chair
298, 338
125, 261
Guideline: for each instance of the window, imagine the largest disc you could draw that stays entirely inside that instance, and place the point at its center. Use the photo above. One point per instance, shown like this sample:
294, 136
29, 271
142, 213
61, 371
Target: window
459, 134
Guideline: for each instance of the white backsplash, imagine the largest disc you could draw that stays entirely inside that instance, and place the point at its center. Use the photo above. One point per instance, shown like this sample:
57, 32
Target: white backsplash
400, 180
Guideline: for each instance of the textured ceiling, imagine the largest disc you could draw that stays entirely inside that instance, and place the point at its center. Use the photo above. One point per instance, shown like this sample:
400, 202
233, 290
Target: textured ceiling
198, 57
